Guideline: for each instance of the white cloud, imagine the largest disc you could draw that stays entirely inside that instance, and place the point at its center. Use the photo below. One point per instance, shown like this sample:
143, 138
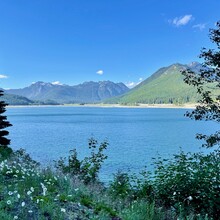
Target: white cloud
131, 85
57, 83
3, 77
181, 21
100, 72
200, 26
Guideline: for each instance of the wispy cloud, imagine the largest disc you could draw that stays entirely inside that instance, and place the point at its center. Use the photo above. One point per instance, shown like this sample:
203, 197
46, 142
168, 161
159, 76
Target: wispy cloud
100, 72
57, 83
3, 76
201, 27
181, 21
133, 84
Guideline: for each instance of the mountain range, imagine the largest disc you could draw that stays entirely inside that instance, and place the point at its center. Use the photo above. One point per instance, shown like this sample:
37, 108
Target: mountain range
87, 92
164, 86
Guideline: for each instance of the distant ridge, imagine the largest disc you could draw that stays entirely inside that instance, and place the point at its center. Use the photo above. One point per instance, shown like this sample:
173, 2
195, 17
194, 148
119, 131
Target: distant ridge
11, 99
165, 86
87, 92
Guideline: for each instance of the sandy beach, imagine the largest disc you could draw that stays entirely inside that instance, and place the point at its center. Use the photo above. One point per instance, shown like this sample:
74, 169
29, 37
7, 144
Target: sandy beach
101, 105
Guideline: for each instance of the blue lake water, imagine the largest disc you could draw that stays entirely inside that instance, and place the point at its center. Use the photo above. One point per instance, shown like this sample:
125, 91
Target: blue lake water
135, 135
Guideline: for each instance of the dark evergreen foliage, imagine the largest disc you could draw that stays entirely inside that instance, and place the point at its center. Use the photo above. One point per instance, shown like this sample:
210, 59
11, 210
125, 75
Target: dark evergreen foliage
206, 81
3, 123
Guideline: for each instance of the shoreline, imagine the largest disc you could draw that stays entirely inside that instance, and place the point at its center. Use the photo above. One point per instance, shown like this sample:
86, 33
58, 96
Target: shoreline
183, 106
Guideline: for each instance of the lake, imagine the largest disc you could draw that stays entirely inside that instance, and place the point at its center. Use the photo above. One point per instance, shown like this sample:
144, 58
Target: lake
135, 135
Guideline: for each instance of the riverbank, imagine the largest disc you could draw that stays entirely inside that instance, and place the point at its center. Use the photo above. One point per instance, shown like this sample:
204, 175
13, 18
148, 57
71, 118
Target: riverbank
101, 105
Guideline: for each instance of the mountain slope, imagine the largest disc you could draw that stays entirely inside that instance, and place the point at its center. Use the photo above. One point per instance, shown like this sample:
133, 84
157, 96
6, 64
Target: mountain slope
11, 99
88, 92
164, 86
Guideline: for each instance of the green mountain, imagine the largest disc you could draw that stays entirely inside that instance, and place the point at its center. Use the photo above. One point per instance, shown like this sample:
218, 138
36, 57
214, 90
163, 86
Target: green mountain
11, 99
165, 86
87, 92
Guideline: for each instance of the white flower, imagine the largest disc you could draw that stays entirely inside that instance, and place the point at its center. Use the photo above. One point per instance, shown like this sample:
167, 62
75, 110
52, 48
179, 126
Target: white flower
44, 189
9, 202
174, 193
29, 192
17, 171
190, 198
10, 193
16, 217
37, 200
23, 204
32, 189
30, 211
18, 196
63, 210
76, 189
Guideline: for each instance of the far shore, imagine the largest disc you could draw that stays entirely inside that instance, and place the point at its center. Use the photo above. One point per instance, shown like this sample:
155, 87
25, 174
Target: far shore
101, 105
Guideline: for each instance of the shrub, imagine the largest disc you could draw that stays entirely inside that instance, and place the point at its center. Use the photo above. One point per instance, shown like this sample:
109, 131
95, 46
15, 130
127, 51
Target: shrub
88, 168
191, 181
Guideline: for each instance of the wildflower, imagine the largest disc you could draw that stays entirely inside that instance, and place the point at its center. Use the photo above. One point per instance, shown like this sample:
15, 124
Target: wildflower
37, 200
9, 202
30, 211
18, 196
76, 189
190, 198
174, 193
32, 189
29, 192
17, 171
63, 210
23, 204
15, 217
10, 193
44, 189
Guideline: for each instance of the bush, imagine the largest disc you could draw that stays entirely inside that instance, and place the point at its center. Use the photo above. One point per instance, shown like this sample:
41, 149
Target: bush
88, 168
5, 152
190, 181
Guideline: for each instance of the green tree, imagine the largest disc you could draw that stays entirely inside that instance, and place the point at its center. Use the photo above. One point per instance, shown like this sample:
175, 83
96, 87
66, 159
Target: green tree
3, 124
207, 83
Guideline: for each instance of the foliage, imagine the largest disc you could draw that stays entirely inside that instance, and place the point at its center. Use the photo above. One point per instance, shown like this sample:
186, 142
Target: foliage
120, 187
88, 168
29, 192
190, 182
3, 123
207, 83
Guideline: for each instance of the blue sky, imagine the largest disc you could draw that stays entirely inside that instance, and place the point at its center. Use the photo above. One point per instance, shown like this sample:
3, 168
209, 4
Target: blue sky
72, 41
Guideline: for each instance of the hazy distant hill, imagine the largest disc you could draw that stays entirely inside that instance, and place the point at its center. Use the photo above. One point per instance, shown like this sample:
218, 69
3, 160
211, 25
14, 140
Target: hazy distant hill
88, 92
165, 86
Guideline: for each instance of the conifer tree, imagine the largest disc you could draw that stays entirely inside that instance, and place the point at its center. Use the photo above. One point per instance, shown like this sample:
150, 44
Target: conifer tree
3, 124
